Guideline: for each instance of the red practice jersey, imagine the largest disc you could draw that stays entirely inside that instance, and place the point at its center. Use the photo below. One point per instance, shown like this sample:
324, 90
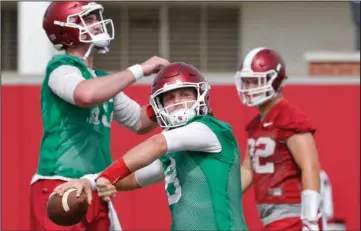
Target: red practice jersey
276, 176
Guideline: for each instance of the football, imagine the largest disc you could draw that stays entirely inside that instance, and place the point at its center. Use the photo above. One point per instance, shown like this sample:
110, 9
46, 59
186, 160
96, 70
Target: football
68, 209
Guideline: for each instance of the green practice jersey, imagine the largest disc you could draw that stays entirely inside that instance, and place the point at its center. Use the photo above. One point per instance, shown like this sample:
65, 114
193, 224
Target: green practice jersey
76, 141
204, 189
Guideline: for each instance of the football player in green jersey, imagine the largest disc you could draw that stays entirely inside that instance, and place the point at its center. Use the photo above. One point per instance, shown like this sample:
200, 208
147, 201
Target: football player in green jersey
78, 104
196, 155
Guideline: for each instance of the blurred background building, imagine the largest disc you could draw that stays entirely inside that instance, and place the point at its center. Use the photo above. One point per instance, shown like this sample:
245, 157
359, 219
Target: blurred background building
212, 36
320, 43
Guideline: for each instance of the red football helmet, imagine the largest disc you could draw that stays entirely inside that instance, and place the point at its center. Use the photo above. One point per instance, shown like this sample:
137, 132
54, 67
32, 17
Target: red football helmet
261, 76
65, 24
175, 76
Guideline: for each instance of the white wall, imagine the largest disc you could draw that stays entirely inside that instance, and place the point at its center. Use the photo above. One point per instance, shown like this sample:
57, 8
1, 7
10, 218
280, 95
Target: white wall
294, 28
35, 49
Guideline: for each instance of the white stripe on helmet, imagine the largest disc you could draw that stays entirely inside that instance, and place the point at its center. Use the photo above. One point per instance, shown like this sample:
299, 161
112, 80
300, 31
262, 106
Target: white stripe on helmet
247, 63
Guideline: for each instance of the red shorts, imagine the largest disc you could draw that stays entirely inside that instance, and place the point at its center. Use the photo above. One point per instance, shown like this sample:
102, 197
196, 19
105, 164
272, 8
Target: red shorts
96, 219
291, 224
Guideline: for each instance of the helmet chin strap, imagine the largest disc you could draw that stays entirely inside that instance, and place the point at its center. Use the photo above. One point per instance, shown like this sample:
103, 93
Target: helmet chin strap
101, 45
101, 50
88, 51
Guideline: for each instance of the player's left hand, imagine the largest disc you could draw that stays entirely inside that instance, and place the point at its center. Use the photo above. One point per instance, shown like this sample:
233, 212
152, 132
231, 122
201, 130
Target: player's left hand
310, 226
106, 191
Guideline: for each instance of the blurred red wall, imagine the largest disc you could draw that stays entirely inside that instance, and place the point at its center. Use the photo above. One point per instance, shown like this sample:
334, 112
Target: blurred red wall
335, 110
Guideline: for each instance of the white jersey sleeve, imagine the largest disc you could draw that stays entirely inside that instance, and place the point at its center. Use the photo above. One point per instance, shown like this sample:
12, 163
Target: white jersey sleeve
127, 111
195, 136
63, 81
192, 137
150, 174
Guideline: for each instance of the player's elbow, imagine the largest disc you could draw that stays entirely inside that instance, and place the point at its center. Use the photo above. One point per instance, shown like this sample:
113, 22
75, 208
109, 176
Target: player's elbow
159, 143
304, 151
142, 132
82, 97
142, 129
145, 129
145, 125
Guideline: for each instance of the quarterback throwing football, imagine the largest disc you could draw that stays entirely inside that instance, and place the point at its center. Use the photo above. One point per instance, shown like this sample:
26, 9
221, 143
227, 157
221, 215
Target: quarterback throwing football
78, 104
196, 156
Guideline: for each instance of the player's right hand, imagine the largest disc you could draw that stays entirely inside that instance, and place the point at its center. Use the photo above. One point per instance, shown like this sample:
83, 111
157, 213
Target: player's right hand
106, 191
79, 184
153, 65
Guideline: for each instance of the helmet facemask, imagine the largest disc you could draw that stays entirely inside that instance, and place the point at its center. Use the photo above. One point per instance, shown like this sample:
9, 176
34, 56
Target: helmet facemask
178, 114
262, 89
